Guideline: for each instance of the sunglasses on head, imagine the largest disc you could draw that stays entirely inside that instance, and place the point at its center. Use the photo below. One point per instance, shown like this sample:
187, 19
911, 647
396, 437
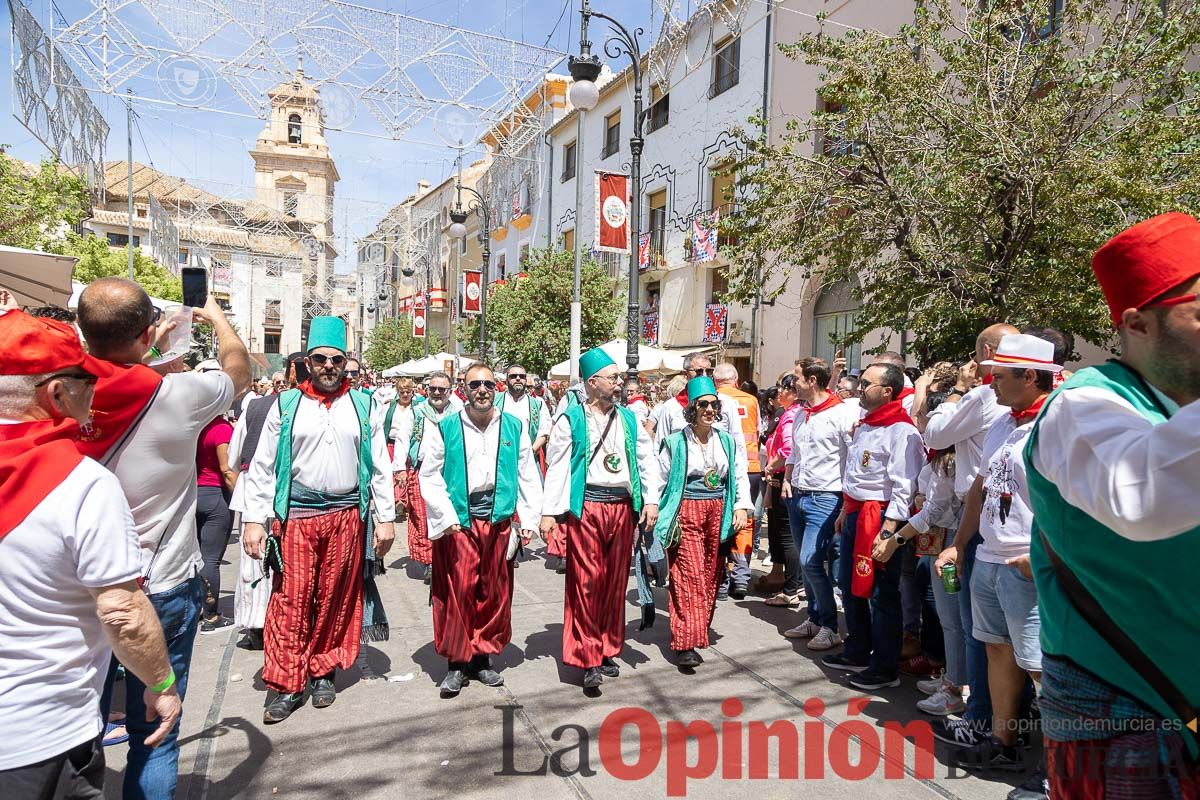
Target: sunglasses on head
320, 359
704, 405
86, 377
475, 386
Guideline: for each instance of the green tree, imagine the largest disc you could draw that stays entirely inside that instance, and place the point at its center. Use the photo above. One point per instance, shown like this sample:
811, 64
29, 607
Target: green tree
98, 260
529, 319
391, 342
967, 168
38, 205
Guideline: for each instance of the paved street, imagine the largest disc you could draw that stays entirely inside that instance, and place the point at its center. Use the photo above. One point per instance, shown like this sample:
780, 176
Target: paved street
397, 738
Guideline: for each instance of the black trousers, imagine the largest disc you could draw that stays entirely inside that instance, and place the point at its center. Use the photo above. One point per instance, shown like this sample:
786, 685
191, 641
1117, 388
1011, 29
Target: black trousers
81, 770
214, 523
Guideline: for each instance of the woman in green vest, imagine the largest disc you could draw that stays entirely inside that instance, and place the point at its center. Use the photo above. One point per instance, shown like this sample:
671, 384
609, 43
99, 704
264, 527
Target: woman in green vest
705, 502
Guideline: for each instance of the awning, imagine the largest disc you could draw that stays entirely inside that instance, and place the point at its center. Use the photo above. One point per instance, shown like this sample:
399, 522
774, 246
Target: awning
651, 360
36, 278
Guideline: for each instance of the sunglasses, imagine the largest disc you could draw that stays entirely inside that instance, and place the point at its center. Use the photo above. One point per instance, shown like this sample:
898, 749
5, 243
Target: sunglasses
155, 315
704, 405
612, 378
353, 373
517, 376
438, 389
320, 359
703, 371
86, 377
475, 386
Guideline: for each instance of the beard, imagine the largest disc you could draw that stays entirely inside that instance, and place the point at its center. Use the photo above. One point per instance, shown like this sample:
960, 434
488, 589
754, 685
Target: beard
482, 404
324, 382
1177, 360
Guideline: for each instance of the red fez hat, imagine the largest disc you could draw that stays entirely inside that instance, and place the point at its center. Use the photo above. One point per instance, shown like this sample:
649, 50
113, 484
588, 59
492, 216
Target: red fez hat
1147, 260
37, 346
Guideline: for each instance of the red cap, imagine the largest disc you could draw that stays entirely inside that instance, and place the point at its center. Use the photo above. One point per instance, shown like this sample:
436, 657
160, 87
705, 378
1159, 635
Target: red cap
38, 346
1147, 260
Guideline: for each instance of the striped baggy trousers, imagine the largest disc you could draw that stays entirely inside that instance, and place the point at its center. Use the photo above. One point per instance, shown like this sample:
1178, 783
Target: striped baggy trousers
601, 547
696, 573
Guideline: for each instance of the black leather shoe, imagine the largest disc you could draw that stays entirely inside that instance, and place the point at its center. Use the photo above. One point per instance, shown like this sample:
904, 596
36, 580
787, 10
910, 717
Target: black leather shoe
737, 591
481, 670
323, 693
427, 576
610, 668
689, 658
452, 684
281, 707
561, 566
592, 677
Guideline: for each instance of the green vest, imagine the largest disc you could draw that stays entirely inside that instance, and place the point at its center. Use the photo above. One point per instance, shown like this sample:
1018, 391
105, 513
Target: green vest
289, 401
581, 450
420, 414
454, 467
387, 421
535, 413
672, 497
1126, 577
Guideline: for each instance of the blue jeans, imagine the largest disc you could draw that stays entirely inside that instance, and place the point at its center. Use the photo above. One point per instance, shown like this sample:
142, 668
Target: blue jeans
874, 625
952, 630
979, 704
812, 516
151, 774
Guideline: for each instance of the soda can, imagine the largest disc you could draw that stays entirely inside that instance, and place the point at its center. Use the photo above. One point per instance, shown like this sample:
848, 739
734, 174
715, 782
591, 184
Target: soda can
950, 581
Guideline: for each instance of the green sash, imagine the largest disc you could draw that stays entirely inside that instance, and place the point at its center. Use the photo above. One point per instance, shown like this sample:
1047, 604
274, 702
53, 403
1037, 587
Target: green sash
454, 467
581, 450
387, 421
667, 527
289, 402
535, 413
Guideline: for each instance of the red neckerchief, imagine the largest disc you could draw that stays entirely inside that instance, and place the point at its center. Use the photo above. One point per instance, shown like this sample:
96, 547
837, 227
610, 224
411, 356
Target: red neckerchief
987, 379
35, 458
826, 404
887, 414
321, 397
905, 392
1021, 417
120, 400
636, 398
681, 398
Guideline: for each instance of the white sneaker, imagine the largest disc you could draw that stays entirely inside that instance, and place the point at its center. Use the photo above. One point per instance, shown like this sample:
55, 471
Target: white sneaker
943, 702
766, 562
804, 630
825, 639
930, 686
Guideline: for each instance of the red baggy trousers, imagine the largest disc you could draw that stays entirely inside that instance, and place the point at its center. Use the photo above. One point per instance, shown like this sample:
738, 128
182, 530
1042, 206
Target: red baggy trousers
695, 573
420, 549
314, 617
472, 591
597, 576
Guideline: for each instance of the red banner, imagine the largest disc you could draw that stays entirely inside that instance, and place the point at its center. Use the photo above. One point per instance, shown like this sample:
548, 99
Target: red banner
612, 212
472, 292
418, 318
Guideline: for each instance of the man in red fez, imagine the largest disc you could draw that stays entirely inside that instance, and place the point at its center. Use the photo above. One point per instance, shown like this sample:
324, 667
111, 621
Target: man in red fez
1114, 473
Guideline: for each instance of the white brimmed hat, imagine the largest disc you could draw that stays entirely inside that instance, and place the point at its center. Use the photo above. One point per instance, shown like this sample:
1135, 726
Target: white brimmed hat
1021, 351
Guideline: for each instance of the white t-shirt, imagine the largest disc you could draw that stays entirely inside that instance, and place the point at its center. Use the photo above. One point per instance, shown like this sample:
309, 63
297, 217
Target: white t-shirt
53, 650
157, 470
1006, 520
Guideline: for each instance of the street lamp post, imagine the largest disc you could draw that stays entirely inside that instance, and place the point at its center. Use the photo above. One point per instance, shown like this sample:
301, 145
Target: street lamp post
458, 230
584, 95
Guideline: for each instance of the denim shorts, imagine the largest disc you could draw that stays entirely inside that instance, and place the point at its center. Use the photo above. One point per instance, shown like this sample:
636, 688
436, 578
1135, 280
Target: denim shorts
1004, 610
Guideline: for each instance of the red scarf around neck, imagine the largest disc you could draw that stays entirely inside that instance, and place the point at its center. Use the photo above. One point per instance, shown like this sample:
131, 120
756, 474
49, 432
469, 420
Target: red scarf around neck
1021, 417
681, 398
634, 398
905, 392
35, 458
321, 397
829, 402
887, 414
121, 399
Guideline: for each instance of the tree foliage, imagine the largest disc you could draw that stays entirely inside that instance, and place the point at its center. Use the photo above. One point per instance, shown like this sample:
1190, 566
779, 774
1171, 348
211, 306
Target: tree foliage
391, 342
529, 319
98, 260
966, 169
38, 205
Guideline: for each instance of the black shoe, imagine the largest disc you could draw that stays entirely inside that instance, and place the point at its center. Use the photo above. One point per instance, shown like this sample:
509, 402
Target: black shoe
561, 566
281, 707
323, 692
959, 732
452, 684
990, 754
214, 624
551, 561
689, 658
610, 668
840, 661
1037, 787
592, 677
738, 591
427, 575
252, 639
869, 681
722, 594
481, 670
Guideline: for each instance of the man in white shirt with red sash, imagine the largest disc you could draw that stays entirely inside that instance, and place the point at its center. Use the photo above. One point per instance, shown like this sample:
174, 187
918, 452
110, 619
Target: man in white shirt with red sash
69, 566
321, 463
1113, 466
883, 461
478, 471
603, 477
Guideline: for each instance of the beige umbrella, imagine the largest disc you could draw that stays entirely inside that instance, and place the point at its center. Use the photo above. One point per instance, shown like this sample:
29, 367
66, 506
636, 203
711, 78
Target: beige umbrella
36, 278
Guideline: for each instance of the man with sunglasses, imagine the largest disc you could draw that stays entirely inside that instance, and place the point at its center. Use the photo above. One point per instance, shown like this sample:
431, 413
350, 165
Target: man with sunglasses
426, 416
478, 472
602, 480
320, 469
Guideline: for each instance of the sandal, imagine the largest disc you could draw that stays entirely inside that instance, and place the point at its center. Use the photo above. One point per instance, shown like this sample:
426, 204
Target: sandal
115, 733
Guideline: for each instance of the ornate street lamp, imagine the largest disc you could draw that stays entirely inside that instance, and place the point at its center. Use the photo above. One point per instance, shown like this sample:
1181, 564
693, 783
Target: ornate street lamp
584, 95
458, 230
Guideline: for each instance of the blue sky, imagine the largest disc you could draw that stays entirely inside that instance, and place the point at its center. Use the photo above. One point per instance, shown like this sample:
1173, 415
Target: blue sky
209, 148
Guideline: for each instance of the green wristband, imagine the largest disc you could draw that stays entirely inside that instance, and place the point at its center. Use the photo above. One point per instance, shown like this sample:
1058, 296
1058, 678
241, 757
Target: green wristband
166, 684
155, 352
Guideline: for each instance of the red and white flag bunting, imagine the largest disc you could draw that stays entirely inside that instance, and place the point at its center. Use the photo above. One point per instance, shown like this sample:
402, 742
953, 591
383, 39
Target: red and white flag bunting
612, 212
472, 293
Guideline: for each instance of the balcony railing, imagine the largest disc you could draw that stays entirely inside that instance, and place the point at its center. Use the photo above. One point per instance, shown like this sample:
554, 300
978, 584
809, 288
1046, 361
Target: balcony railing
612, 145
723, 83
660, 114
658, 247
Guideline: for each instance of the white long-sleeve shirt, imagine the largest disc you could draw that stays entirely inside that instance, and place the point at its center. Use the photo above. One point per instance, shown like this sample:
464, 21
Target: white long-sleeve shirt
1139, 479
558, 462
819, 446
963, 425
941, 504
1006, 519
701, 457
324, 457
482, 447
883, 463
400, 434
519, 408
670, 419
